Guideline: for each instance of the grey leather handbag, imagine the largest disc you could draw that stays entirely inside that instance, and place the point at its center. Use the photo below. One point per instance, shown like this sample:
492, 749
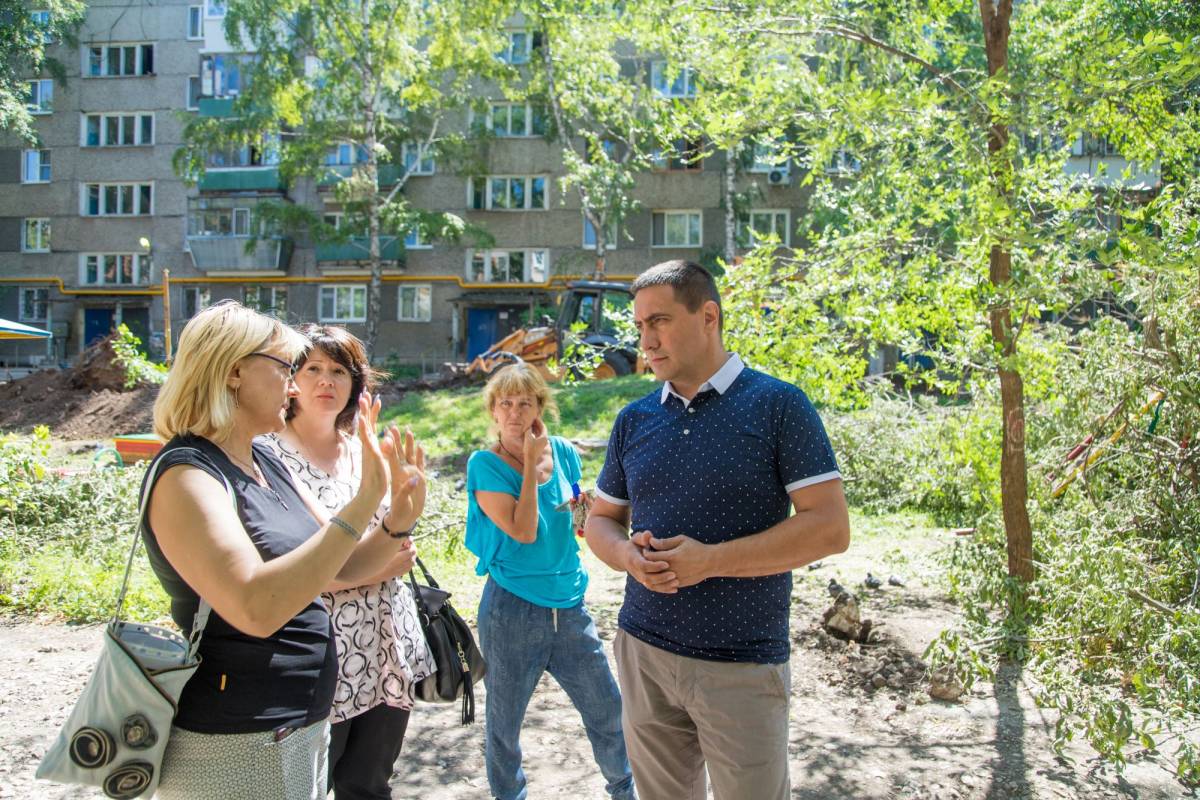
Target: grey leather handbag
117, 732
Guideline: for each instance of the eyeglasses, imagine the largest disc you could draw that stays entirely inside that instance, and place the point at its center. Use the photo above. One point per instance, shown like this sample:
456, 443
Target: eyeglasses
289, 366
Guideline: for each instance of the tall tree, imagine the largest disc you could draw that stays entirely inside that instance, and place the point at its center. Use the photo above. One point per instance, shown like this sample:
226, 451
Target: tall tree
26, 31
386, 80
605, 112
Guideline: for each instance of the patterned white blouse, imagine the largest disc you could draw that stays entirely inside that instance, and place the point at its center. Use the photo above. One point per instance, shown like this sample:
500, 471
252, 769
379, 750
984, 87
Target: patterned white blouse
382, 653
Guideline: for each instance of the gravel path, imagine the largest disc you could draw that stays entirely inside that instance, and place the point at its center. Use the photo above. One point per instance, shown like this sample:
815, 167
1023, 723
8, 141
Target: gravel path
848, 739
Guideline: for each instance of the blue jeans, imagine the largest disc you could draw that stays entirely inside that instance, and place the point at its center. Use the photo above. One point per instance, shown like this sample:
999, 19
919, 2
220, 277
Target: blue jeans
520, 641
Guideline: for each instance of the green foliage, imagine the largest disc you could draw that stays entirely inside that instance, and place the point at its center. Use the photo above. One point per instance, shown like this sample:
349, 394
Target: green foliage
129, 357
23, 55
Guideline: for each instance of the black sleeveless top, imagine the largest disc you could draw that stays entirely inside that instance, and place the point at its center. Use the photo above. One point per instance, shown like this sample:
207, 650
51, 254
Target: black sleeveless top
247, 684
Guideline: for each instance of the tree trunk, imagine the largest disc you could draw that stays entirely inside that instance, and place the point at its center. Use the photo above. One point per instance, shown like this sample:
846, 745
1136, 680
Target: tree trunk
1014, 490
375, 287
731, 155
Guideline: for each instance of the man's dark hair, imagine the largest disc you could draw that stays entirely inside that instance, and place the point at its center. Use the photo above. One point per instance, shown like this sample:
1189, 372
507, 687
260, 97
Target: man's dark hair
693, 285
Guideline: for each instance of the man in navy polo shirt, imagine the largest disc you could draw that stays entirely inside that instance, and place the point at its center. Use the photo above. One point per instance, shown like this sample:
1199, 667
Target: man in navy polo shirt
706, 472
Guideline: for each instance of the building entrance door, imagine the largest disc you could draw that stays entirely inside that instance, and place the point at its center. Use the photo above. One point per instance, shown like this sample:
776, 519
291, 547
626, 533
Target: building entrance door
482, 330
97, 323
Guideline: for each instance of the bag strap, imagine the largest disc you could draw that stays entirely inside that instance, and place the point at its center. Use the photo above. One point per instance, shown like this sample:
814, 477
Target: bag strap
202, 611
428, 577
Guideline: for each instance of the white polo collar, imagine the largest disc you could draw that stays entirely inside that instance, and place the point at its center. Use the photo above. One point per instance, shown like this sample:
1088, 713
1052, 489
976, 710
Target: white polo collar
721, 380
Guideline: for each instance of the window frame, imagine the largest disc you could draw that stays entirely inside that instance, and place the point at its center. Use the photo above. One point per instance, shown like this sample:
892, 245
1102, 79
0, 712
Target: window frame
657, 70
532, 111
489, 199
44, 104
44, 303
423, 312
105, 60
35, 16
44, 235
490, 255
45, 164
354, 289
198, 12
234, 213
278, 295
677, 212
102, 199
746, 231
188, 98
141, 269
610, 241
423, 155
138, 117
506, 55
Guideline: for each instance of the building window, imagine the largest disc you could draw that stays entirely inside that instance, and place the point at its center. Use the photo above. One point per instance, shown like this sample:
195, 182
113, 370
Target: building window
260, 155
215, 9
193, 93
415, 240
223, 74
39, 96
41, 18
682, 154
672, 83
507, 266
416, 303
219, 222
589, 235
35, 166
675, 229
508, 120
115, 269
33, 305
417, 160
195, 22
118, 130
517, 47
118, 199
35, 235
508, 193
266, 299
765, 158
195, 300
1090, 145
843, 163
762, 223
119, 60
343, 304
345, 154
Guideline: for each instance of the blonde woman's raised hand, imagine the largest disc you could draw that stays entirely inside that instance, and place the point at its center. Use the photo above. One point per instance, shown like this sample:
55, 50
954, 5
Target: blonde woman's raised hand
375, 467
406, 462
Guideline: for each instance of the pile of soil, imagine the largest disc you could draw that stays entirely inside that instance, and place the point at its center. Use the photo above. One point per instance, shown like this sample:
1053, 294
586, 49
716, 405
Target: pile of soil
88, 401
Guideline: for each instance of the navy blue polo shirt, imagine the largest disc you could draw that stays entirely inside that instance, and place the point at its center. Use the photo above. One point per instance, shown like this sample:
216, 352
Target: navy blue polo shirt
715, 469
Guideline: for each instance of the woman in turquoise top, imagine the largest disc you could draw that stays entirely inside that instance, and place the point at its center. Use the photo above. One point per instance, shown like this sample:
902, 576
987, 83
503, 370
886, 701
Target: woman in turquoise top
531, 616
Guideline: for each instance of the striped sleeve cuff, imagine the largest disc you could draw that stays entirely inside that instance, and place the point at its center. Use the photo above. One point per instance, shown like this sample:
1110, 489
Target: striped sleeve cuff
824, 476
608, 498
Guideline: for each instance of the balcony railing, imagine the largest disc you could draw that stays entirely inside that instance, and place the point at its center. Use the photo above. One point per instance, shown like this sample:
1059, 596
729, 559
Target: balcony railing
219, 253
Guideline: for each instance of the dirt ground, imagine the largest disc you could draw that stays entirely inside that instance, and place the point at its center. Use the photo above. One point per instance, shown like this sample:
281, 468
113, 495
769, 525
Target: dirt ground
848, 739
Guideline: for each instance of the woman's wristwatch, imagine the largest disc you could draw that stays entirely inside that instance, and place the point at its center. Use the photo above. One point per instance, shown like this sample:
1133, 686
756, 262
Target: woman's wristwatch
395, 534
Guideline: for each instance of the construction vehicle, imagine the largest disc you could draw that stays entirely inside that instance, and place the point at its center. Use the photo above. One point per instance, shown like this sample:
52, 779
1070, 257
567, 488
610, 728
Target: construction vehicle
586, 319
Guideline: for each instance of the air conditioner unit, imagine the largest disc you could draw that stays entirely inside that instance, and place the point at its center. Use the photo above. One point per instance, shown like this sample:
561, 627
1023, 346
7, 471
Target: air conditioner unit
779, 177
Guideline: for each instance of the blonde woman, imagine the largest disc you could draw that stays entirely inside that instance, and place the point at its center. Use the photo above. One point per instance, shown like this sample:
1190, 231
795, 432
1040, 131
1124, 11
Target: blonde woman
531, 616
253, 720
382, 653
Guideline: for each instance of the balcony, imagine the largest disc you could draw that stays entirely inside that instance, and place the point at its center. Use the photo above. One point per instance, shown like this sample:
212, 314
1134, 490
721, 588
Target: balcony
388, 174
251, 179
391, 248
228, 254
216, 106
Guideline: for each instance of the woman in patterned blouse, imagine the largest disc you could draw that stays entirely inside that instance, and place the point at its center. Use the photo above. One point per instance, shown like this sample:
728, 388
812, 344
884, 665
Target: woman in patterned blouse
381, 651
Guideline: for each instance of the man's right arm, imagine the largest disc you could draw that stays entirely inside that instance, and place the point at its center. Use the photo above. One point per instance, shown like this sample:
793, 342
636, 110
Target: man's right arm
607, 534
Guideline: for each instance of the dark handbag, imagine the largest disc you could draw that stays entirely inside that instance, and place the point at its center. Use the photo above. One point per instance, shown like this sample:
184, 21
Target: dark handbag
459, 663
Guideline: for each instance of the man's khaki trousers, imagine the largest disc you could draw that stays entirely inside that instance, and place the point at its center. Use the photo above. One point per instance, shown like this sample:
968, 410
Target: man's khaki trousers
682, 714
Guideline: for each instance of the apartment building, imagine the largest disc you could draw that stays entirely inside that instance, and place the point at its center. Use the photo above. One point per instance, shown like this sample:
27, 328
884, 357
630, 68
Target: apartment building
93, 217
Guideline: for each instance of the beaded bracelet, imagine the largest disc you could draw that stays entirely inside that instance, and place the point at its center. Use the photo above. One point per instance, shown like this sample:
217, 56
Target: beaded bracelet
346, 526
395, 534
